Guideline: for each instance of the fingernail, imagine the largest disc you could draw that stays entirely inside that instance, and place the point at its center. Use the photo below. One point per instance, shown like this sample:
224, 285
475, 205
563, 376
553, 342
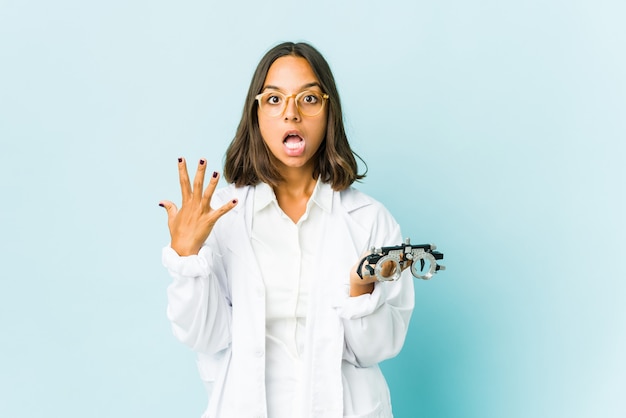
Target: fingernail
162, 205
201, 162
234, 201
214, 174
180, 160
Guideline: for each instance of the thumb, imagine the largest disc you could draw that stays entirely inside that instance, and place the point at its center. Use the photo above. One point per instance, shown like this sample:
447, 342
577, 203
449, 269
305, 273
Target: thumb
170, 207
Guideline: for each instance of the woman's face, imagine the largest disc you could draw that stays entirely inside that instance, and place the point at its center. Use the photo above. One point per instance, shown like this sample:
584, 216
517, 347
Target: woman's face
292, 137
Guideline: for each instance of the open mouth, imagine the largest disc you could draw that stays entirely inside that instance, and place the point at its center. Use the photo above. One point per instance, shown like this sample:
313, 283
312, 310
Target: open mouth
293, 142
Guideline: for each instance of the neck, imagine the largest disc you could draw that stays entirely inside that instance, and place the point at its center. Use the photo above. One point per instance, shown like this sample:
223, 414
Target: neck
297, 181
294, 192
296, 185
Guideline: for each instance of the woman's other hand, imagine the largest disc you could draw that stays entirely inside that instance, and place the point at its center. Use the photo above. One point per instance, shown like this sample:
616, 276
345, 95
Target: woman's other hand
361, 285
365, 284
191, 225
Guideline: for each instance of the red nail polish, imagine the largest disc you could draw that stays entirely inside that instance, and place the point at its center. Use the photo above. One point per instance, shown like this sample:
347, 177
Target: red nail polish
180, 160
201, 162
214, 174
234, 201
162, 205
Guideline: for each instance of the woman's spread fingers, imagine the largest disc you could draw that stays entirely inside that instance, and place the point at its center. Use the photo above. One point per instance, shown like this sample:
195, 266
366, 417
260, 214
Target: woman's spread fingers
198, 180
185, 186
210, 188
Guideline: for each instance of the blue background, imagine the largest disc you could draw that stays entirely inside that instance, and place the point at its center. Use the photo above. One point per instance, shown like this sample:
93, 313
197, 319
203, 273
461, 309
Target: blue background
495, 129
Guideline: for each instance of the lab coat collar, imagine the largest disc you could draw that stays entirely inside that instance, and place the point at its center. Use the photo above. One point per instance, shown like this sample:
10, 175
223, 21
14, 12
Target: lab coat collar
348, 199
263, 196
241, 216
322, 196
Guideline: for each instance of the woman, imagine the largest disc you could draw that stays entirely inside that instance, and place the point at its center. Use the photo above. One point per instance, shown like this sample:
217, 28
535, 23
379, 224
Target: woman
264, 286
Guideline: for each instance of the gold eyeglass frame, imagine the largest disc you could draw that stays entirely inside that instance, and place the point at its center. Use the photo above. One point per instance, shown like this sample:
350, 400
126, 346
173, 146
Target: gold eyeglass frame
296, 98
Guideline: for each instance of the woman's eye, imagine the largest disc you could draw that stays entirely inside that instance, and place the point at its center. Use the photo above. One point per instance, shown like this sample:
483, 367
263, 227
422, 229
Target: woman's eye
310, 99
273, 99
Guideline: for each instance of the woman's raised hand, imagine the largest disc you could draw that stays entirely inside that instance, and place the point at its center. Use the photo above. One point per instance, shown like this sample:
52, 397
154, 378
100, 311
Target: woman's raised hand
191, 224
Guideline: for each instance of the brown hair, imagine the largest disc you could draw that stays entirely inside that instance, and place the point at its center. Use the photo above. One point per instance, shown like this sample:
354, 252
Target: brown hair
248, 160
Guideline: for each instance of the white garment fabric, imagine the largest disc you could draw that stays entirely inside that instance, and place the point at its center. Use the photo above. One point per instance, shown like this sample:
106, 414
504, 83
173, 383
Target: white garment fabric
217, 306
287, 258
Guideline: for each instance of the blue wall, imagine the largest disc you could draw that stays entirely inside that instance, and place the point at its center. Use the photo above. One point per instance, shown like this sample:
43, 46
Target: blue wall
494, 129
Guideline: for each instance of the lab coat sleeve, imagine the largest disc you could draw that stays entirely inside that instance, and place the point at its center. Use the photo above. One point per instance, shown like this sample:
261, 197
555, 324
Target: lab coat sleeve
375, 325
198, 308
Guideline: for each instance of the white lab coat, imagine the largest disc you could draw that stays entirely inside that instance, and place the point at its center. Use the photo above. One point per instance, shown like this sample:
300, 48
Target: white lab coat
216, 304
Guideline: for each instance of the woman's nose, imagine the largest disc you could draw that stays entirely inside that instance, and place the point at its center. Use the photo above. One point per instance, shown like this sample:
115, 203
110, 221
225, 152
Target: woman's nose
291, 109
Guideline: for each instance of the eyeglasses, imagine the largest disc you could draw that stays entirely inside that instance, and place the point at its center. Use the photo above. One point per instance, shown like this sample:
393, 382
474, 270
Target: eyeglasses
308, 103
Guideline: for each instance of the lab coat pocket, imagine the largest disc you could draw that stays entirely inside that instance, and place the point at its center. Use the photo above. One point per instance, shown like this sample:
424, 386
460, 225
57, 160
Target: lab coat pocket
365, 392
210, 367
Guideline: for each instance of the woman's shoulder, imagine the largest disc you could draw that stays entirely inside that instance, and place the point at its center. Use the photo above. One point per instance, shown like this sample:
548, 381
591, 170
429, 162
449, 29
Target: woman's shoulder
368, 212
353, 199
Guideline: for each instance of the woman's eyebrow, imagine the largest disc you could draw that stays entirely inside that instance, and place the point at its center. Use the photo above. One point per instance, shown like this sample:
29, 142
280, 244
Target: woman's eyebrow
304, 87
